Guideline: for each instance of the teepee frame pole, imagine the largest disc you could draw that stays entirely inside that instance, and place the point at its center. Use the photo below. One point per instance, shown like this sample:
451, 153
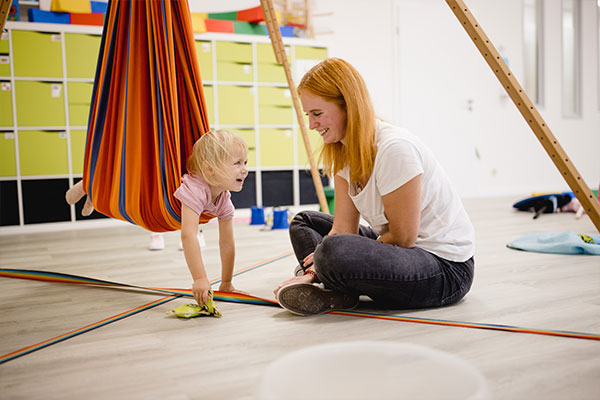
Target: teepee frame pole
528, 110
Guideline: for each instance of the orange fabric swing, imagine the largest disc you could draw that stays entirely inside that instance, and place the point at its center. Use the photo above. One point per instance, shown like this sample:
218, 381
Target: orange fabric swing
147, 112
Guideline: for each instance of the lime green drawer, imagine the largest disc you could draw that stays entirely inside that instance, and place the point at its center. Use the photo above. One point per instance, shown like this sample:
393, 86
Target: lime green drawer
6, 109
37, 54
8, 164
310, 53
4, 65
315, 142
80, 95
276, 147
275, 115
279, 96
266, 54
210, 103
236, 105
43, 153
229, 71
275, 106
234, 52
40, 103
204, 55
77, 150
271, 73
81, 54
4, 48
250, 138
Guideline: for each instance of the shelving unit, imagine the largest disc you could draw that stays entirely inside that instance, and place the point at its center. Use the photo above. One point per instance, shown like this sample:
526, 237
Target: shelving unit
46, 81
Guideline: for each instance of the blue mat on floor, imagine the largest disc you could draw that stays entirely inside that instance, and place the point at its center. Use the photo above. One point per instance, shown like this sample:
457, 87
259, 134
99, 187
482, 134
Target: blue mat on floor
558, 242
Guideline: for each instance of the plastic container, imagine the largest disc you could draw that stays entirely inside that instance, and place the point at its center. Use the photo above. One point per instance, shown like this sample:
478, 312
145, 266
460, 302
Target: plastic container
371, 370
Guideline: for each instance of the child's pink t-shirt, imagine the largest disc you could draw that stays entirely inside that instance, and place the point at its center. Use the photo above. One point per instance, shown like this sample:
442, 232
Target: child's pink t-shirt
195, 193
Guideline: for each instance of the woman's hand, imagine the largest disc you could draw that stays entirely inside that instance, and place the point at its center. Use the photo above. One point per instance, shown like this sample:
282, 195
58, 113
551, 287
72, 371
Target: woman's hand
200, 289
307, 278
308, 260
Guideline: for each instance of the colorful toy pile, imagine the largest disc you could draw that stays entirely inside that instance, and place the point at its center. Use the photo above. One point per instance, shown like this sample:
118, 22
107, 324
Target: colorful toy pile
77, 12
249, 22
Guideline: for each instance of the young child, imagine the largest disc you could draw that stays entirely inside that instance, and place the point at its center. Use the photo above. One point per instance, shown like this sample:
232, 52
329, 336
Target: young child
216, 166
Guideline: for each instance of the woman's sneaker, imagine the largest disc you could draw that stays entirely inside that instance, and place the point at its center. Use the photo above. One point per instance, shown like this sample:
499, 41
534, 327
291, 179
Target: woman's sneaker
309, 299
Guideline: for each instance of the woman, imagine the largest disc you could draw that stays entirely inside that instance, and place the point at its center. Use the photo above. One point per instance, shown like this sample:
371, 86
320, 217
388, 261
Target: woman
418, 250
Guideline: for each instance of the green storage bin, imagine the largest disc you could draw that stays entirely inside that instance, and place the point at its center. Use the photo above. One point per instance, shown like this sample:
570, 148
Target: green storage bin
43, 153
205, 59
276, 148
229, 71
234, 52
81, 52
310, 53
40, 103
37, 54
316, 143
268, 68
8, 163
236, 105
6, 108
4, 65
77, 150
4, 56
210, 103
275, 106
80, 97
249, 136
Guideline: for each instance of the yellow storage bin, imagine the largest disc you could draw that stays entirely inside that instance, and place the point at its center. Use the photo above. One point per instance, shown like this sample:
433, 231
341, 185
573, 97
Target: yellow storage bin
316, 144
234, 62
204, 55
234, 52
39, 103
43, 153
80, 98
4, 56
6, 109
210, 103
310, 53
268, 68
77, 150
236, 105
250, 138
229, 71
37, 54
8, 164
81, 54
276, 148
275, 106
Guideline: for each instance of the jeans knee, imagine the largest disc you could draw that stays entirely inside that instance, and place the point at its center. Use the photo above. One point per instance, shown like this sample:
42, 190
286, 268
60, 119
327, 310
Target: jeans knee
329, 254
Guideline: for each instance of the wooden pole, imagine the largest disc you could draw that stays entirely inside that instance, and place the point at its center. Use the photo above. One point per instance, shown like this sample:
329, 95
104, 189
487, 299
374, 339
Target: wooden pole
278, 48
4, 9
527, 109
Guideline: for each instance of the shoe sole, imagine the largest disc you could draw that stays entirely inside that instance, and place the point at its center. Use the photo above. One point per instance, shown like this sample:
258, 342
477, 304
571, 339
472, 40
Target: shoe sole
308, 299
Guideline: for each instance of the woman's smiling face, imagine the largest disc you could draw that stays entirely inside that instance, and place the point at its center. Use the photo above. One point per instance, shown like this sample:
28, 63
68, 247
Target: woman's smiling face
327, 118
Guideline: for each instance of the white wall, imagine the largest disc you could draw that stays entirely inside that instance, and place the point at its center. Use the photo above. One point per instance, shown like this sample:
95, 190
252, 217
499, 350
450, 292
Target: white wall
513, 163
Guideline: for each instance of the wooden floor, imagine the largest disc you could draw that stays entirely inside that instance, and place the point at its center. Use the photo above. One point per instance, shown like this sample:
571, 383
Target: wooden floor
154, 356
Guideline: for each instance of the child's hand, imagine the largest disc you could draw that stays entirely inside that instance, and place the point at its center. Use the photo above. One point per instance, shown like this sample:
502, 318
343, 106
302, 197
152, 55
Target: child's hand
228, 287
200, 289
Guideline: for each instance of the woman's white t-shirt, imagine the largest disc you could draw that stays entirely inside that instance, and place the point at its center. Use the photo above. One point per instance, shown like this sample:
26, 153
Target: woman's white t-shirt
445, 228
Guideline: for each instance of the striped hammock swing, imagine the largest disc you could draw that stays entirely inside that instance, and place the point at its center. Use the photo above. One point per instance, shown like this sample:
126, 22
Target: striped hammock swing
147, 111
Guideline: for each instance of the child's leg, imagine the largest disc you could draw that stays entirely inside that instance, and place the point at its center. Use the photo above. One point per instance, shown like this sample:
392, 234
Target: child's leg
76, 193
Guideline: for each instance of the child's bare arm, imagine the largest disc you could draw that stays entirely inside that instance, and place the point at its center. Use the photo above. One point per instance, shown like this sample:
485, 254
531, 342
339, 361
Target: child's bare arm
227, 249
193, 255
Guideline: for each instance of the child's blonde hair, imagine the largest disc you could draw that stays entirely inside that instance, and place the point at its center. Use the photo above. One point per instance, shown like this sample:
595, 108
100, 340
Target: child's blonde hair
212, 153
338, 82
